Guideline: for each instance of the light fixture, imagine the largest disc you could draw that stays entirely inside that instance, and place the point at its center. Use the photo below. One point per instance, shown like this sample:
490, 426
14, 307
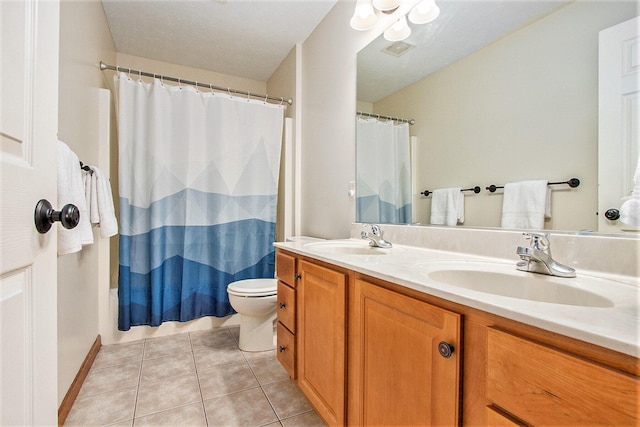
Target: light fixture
425, 12
398, 31
364, 17
386, 5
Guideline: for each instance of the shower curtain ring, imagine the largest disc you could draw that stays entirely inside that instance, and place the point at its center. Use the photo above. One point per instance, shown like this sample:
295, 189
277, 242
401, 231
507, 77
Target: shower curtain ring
139, 75
179, 84
197, 91
265, 98
211, 88
281, 100
129, 69
248, 95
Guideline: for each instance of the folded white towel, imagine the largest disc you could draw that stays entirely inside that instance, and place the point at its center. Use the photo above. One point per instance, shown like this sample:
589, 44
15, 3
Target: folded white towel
105, 212
447, 206
526, 204
71, 190
630, 209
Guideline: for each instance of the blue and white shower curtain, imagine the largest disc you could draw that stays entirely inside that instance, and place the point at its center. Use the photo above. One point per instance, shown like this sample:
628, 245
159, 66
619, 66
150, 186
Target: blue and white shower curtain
198, 191
383, 172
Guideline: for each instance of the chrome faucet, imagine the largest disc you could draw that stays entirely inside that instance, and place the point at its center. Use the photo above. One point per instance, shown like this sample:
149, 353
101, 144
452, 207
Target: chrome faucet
375, 237
537, 258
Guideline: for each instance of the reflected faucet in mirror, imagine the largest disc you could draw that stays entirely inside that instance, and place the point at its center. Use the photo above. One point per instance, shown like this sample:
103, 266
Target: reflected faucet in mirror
375, 237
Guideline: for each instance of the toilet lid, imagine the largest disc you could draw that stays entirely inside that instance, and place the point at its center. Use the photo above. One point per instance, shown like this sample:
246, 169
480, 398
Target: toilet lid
254, 287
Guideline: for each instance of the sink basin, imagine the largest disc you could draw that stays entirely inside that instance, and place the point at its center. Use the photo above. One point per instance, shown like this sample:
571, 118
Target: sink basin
345, 247
500, 280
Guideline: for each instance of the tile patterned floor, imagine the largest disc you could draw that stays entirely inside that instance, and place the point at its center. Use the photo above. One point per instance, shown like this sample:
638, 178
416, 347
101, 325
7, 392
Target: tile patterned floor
190, 379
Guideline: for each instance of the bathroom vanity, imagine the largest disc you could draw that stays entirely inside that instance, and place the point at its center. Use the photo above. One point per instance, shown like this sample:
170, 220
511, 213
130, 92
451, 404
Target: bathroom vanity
378, 337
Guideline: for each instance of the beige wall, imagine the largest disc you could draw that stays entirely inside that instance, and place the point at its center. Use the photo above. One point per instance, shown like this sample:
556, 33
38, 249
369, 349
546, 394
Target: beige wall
282, 83
525, 107
328, 123
85, 40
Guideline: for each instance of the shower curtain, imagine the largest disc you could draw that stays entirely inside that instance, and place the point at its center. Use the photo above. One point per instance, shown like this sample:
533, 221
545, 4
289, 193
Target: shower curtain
198, 191
383, 172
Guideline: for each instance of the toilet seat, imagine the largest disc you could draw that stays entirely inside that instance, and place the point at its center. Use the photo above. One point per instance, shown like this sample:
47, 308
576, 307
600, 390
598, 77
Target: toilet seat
253, 287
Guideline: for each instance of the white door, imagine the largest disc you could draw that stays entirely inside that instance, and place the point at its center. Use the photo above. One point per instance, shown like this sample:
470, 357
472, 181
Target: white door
28, 125
619, 118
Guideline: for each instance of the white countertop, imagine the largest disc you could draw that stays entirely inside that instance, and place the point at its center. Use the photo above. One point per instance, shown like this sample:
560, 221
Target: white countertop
615, 326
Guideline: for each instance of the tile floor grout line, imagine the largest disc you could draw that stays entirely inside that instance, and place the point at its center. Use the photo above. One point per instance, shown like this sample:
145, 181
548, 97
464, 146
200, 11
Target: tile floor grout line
135, 403
195, 366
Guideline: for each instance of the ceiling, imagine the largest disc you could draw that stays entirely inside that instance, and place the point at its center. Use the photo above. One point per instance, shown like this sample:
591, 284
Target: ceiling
250, 38
463, 27
244, 38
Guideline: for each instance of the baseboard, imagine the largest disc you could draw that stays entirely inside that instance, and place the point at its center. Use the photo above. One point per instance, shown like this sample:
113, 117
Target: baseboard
74, 389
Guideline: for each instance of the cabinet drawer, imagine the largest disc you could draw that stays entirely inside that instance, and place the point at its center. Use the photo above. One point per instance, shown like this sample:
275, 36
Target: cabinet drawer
543, 386
287, 350
286, 268
287, 306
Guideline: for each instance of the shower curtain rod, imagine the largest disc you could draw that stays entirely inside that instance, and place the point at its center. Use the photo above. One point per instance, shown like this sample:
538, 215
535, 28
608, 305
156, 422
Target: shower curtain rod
378, 116
104, 66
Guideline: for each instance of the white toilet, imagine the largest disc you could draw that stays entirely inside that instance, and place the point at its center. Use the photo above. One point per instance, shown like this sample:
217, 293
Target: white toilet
255, 301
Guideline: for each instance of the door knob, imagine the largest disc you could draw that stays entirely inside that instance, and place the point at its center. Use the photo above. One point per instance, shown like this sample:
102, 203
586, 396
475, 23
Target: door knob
612, 214
44, 216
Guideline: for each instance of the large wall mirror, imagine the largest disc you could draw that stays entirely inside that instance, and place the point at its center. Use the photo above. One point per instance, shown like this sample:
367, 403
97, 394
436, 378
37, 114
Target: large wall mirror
500, 91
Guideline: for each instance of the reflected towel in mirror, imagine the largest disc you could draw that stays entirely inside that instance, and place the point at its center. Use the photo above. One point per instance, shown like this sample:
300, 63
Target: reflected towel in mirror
630, 209
447, 206
526, 204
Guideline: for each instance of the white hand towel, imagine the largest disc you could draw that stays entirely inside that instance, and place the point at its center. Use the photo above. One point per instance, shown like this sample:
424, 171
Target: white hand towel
525, 204
71, 190
106, 212
447, 206
630, 209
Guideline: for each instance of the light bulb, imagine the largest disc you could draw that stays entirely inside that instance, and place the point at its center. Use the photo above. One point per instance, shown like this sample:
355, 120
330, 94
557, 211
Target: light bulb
426, 11
398, 31
364, 17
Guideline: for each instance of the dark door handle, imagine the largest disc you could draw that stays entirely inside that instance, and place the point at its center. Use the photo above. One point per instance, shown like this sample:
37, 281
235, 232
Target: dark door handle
612, 214
44, 216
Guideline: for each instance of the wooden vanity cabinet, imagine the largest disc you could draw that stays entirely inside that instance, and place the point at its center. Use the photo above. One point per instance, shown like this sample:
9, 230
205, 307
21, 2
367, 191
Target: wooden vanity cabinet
366, 352
398, 376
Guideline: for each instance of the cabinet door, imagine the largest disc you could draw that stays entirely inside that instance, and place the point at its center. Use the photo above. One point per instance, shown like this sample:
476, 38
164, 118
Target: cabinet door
401, 378
321, 304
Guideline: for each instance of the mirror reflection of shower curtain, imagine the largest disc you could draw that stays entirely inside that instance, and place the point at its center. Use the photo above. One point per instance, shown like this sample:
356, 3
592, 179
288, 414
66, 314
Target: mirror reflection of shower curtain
383, 172
198, 193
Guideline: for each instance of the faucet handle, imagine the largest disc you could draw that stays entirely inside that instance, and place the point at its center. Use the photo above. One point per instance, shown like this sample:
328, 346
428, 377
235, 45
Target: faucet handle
539, 241
375, 229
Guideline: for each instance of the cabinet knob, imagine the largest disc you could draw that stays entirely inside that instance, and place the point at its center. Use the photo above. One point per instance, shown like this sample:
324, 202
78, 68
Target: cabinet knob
298, 276
445, 349
282, 348
282, 305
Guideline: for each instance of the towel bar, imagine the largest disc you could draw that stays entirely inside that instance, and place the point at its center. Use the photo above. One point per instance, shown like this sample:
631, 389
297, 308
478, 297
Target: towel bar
573, 183
475, 189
